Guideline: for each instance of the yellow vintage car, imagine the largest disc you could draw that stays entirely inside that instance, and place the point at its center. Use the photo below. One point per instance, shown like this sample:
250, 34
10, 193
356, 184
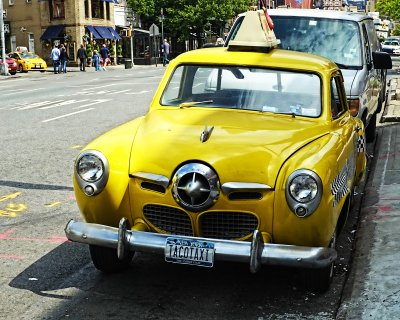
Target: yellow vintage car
248, 153
28, 61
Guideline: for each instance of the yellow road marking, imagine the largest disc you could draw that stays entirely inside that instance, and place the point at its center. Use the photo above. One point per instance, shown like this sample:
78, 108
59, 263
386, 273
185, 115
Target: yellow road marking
10, 196
53, 204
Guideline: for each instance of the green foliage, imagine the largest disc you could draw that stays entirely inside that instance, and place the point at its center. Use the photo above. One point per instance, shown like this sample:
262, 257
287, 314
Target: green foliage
89, 49
396, 31
390, 8
119, 50
182, 17
111, 50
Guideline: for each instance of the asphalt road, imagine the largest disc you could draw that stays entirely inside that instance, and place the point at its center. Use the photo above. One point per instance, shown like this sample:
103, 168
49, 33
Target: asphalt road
44, 120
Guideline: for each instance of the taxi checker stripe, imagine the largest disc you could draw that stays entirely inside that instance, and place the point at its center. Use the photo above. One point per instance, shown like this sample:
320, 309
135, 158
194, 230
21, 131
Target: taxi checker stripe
339, 186
360, 144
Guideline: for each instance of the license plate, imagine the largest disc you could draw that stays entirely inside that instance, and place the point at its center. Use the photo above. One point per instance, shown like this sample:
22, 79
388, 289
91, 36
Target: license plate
38, 66
189, 251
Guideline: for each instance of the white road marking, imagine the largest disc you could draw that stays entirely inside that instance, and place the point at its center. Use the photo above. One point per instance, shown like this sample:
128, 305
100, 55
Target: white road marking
68, 115
92, 103
22, 90
140, 92
64, 103
38, 104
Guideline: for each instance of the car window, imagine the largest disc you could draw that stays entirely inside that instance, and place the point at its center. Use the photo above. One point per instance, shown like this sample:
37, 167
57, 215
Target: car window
337, 40
233, 87
366, 44
337, 104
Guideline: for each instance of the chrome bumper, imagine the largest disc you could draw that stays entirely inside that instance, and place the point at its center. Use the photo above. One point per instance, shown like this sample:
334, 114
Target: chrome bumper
255, 252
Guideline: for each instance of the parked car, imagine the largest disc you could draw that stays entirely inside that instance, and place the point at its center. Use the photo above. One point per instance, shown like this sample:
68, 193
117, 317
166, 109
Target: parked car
391, 46
348, 39
28, 61
12, 65
259, 169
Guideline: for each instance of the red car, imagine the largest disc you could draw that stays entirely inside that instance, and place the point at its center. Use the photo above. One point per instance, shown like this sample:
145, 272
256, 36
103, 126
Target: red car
12, 65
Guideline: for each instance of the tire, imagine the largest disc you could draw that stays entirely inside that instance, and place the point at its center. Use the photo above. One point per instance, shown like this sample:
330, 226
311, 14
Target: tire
13, 73
106, 259
20, 68
319, 280
370, 131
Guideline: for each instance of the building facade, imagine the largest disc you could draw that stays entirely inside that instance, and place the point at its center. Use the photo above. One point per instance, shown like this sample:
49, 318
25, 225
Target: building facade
38, 25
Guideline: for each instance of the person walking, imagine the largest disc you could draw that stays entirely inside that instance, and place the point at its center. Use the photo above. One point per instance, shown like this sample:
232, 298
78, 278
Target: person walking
165, 49
55, 56
96, 61
82, 55
104, 53
63, 59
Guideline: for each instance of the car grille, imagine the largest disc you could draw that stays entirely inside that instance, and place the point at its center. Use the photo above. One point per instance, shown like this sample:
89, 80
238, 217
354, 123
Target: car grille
228, 225
168, 219
217, 225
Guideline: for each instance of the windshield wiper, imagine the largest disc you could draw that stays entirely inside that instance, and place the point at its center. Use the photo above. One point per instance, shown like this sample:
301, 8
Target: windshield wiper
193, 103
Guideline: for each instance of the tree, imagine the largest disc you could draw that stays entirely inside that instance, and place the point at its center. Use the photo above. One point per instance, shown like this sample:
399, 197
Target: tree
390, 8
185, 17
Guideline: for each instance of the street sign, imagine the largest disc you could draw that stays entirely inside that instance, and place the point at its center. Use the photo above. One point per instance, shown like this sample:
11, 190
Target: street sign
154, 31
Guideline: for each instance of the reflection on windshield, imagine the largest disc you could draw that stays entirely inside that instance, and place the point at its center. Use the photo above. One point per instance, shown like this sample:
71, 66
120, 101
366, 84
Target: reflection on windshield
337, 40
29, 55
232, 87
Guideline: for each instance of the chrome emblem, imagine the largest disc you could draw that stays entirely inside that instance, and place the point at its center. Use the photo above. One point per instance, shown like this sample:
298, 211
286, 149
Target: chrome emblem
195, 187
206, 134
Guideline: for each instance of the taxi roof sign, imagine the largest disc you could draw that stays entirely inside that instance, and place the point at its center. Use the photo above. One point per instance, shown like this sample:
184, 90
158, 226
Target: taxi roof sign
254, 33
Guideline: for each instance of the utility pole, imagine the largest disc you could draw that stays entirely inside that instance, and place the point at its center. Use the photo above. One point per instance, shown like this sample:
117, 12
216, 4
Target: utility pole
4, 65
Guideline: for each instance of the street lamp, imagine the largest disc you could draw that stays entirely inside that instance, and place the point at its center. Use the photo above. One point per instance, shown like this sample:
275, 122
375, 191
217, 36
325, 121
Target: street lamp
4, 65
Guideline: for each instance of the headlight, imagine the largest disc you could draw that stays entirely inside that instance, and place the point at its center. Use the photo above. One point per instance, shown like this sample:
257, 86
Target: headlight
91, 172
90, 167
303, 192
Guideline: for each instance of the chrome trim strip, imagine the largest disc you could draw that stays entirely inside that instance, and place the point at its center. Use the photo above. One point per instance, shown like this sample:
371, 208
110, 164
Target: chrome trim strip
152, 177
229, 187
225, 250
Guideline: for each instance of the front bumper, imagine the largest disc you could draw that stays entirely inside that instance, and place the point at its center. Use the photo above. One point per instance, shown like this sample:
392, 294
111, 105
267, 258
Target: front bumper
255, 252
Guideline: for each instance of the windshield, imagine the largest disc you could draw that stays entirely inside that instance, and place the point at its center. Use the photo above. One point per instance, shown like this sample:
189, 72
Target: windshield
29, 56
337, 40
232, 87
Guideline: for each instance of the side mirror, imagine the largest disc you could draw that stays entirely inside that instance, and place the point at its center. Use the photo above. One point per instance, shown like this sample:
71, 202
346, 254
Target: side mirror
382, 60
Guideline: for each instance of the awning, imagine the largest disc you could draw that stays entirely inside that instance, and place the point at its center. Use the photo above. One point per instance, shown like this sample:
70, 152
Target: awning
52, 32
114, 33
104, 32
112, 1
93, 31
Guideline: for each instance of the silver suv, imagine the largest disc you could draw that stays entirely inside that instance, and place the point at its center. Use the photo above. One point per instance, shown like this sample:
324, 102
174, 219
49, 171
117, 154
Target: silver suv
350, 40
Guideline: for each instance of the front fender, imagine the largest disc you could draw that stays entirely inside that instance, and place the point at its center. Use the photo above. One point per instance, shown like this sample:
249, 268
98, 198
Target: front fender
326, 157
110, 205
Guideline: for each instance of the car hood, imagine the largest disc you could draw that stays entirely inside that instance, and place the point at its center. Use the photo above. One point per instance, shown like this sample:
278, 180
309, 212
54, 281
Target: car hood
242, 147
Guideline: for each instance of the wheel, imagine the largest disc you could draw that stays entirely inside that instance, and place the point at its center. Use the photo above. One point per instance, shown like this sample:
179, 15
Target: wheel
319, 280
370, 131
20, 68
13, 72
106, 259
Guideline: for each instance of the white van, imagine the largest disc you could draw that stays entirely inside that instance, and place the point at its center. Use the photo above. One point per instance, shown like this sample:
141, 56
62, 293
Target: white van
350, 40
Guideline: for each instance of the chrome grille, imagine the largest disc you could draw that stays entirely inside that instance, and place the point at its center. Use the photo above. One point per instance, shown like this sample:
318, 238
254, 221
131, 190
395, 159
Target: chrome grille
227, 225
168, 219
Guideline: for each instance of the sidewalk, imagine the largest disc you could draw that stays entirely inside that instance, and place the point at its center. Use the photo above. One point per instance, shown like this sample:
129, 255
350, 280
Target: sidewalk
373, 287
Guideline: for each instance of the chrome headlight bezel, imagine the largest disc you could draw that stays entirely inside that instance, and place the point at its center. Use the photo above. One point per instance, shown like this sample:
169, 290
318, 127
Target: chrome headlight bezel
303, 208
92, 187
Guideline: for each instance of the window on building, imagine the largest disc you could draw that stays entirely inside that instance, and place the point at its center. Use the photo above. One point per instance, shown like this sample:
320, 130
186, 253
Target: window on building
86, 8
97, 9
57, 10
108, 10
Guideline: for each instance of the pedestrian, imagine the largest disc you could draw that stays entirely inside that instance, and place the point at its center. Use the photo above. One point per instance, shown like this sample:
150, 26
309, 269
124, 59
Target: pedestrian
165, 49
105, 53
96, 61
82, 55
63, 59
55, 56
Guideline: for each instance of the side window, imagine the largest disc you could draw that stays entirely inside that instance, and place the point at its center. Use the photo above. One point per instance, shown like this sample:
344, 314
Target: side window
338, 105
366, 45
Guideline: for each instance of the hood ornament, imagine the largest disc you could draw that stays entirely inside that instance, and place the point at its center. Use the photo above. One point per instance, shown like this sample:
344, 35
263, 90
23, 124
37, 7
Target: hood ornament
205, 135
